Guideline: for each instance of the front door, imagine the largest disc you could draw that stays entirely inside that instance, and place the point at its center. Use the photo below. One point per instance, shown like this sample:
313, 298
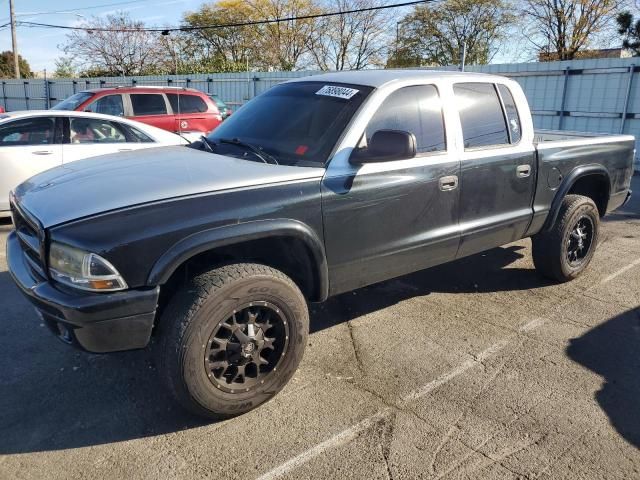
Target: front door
386, 219
497, 171
27, 146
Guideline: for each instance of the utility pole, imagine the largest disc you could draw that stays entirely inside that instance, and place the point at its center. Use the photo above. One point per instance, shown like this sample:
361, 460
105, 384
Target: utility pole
14, 42
463, 55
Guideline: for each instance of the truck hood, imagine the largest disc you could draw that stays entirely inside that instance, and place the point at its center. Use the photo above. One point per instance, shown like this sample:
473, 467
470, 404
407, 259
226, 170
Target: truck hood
97, 185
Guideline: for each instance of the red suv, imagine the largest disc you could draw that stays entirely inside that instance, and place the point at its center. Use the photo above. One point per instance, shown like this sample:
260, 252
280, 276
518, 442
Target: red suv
181, 110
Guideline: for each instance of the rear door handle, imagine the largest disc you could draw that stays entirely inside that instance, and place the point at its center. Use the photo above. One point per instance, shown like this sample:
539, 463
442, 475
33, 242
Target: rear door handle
523, 171
125, 149
43, 152
448, 183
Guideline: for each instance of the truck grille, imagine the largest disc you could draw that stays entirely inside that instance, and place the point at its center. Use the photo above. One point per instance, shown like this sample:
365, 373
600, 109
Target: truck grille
30, 240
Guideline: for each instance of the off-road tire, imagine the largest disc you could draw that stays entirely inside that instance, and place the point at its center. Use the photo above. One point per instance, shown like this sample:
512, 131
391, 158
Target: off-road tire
196, 312
550, 248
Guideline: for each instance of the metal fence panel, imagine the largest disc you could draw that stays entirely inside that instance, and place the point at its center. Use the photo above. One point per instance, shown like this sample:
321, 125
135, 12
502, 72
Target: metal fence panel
594, 95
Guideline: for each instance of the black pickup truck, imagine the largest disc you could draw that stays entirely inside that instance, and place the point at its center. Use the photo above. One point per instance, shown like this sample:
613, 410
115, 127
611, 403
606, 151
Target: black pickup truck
319, 186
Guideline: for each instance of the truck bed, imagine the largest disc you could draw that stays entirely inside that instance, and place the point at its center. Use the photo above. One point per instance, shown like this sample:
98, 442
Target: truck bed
543, 137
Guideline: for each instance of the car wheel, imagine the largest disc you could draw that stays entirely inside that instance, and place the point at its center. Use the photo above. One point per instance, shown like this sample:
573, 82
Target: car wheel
563, 252
232, 339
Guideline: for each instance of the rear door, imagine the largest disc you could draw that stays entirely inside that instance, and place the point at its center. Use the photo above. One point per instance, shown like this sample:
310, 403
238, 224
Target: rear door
497, 168
89, 137
152, 109
191, 113
27, 146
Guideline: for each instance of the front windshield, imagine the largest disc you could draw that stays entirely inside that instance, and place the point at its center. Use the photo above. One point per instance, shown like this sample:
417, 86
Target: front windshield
296, 123
73, 102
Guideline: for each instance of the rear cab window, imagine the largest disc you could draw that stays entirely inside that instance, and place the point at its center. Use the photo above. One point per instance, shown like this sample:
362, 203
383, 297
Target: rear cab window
148, 104
513, 119
481, 115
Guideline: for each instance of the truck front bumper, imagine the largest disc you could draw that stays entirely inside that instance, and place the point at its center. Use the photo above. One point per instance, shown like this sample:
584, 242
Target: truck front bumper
96, 322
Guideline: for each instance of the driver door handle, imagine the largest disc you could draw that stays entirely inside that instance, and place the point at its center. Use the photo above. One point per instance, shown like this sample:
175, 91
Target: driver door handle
447, 183
43, 152
523, 171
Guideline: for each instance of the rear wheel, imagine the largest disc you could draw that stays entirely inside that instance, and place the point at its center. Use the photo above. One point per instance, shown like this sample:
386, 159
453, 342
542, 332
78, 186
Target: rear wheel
563, 252
233, 338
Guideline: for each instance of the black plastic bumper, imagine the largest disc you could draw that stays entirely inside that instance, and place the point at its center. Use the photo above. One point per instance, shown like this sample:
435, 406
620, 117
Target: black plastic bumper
96, 322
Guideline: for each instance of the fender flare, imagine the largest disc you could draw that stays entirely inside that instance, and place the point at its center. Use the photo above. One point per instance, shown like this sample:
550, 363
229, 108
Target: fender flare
567, 183
217, 237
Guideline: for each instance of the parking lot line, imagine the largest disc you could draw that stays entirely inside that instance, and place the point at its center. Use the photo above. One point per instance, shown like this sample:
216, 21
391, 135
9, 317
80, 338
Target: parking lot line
621, 271
351, 433
341, 438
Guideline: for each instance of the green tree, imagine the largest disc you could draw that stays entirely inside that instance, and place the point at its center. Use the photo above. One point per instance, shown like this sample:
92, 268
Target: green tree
435, 34
219, 49
280, 46
65, 68
6, 66
629, 28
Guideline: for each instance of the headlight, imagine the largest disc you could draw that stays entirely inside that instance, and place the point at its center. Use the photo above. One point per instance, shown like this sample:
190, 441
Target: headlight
84, 270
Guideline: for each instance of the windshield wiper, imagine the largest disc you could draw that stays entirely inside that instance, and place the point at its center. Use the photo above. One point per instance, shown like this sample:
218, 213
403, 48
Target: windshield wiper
257, 151
207, 145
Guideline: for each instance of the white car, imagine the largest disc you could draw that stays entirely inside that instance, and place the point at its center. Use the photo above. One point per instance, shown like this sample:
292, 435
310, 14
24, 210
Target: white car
34, 141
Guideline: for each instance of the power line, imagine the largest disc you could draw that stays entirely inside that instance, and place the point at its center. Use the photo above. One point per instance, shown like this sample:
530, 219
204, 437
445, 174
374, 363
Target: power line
167, 30
73, 10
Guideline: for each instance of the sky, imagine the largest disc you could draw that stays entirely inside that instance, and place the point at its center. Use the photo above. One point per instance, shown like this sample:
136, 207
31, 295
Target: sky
39, 46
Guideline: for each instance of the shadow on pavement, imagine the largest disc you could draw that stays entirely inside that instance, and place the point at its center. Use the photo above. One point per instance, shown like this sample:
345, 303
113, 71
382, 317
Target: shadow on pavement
484, 272
54, 397
612, 350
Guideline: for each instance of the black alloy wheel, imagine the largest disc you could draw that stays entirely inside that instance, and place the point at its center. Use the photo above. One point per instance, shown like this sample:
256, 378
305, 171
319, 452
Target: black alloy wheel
246, 347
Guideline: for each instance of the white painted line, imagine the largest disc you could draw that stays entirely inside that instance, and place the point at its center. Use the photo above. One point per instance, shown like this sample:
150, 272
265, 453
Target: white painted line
341, 438
621, 271
533, 324
447, 377
351, 433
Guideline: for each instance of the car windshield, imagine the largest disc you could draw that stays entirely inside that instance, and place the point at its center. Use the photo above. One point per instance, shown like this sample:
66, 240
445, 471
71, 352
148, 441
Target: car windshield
73, 102
296, 123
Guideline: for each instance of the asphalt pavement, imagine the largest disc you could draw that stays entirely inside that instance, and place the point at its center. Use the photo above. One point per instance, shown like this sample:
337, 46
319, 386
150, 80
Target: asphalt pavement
477, 369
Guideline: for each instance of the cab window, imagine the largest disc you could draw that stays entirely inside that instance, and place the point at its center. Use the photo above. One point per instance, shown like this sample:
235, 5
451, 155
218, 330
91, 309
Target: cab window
481, 116
515, 130
109, 105
185, 103
29, 131
148, 104
416, 110
91, 130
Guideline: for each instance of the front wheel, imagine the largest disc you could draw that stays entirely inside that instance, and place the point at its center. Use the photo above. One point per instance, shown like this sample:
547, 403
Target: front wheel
232, 339
566, 250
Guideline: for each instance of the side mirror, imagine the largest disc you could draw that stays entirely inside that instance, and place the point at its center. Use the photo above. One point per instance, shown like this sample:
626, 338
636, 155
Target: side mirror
386, 145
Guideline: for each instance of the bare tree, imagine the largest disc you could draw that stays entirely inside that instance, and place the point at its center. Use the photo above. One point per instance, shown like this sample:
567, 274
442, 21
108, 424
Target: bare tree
126, 49
436, 34
560, 29
351, 41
